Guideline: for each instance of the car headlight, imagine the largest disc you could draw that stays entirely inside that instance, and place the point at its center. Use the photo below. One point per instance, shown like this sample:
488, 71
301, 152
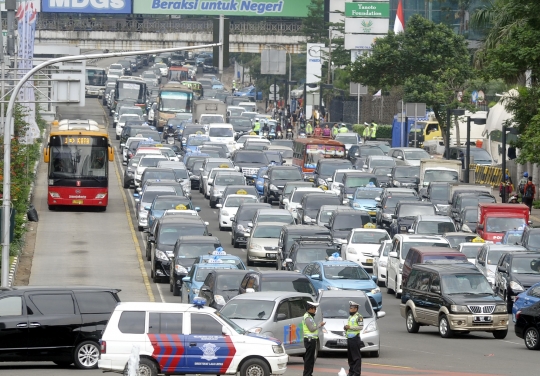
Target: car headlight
333, 288
256, 247
321, 182
225, 212
387, 216
143, 214
372, 327
259, 182
500, 308
273, 187
195, 291
241, 228
278, 349
255, 330
350, 197
219, 299
516, 286
400, 267
351, 250
459, 308
180, 269
376, 290
396, 183
382, 263
356, 205
160, 255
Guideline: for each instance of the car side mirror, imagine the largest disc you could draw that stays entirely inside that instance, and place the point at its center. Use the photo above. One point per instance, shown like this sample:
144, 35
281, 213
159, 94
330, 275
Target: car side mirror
481, 262
137, 199
399, 157
480, 227
381, 314
219, 206
374, 278
356, 154
285, 200
378, 199
392, 254
379, 205
233, 219
122, 145
457, 219
210, 183
394, 216
281, 317
250, 224
502, 269
389, 175
436, 289
410, 231
327, 225
265, 176
329, 180
288, 261
197, 209
186, 279
134, 164
365, 166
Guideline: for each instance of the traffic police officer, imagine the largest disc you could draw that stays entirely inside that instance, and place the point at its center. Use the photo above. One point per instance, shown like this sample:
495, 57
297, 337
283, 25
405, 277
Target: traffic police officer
355, 324
256, 126
311, 335
343, 129
335, 130
374, 127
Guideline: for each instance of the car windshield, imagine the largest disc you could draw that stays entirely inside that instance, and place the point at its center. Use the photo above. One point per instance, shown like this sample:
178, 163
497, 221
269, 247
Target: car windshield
298, 285
382, 162
345, 272
249, 157
414, 210
382, 171
360, 181
325, 215
416, 154
367, 194
149, 196
347, 139
502, 224
346, 222
208, 119
338, 308
364, 152
440, 192
236, 111
471, 216
220, 132
456, 240
245, 309
315, 203
408, 245
290, 187
220, 164
267, 232
229, 283
196, 141
480, 154
444, 259
328, 169
162, 175
369, 237
474, 200
151, 162
435, 227
192, 250
229, 180
407, 172
286, 174
247, 213
234, 202
440, 175
281, 218
127, 117
526, 265
178, 204
471, 250
168, 235
298, 195
465, 284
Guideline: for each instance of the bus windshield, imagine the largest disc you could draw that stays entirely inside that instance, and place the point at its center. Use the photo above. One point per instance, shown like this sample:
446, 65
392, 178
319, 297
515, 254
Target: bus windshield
316, 152
75, 161
95, 77
175, 101
130, 90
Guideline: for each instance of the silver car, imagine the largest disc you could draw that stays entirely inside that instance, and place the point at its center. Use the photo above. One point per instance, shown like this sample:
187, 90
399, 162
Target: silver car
335, 311
262, 242
220, 181
275, 314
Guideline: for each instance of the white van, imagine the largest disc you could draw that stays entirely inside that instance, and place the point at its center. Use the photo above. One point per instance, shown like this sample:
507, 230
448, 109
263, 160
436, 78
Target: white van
186, 339
249, 106
489, 255
224, 133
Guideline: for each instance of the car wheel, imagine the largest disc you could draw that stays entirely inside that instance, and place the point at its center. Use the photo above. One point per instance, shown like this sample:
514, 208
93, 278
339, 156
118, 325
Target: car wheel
147, 367
148, 256
219, 226
212, 204
170, 287
86, 355
254, 367
509, 302
412, 325
232, 239
532, 338
235, 244
501, 334
374, 354
175, 289
140, 228
379, 282
269, 200
126, 185
444, 327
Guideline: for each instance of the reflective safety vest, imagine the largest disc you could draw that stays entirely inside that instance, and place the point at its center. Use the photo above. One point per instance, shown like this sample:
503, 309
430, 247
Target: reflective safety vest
354, 320
309, 128
307, 332
366, 132
343, 130
374, 130
256, 126
335, 131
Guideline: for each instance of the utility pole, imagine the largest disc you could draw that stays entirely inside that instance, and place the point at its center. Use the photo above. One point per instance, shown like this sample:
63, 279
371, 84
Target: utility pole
329, 56
11, 6
6, 215
221, 37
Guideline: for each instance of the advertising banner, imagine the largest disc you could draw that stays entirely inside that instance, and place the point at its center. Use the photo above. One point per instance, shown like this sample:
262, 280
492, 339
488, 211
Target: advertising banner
314, 62
243, 8
372, 9
367, 25
87, 6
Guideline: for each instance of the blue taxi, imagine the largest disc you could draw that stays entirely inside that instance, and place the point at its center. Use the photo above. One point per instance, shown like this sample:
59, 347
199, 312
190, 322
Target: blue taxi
366, 198
338, 274
259, 180
163, 203
194, 141
192, 283
225, 258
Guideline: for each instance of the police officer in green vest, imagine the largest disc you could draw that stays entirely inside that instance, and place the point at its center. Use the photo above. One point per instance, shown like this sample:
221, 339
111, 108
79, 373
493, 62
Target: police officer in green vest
256, 126
335, 130
374, 127
355, 324
343, 129
311, 335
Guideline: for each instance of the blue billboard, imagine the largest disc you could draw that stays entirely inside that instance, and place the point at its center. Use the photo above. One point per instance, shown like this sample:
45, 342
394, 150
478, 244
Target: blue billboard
87, 6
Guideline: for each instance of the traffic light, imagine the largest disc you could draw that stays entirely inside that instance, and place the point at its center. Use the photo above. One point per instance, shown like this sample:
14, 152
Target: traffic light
225, 42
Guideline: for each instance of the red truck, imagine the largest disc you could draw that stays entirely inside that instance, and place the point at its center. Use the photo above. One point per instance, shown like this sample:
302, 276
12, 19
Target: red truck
495, 219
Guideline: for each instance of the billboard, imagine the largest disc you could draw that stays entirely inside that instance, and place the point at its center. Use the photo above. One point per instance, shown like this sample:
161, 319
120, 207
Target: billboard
243, 8
314, 62
366, 25
87, 6
360, 41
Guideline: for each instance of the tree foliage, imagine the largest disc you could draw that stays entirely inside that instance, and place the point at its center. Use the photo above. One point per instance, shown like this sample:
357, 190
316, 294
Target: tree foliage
429, 60
313, 25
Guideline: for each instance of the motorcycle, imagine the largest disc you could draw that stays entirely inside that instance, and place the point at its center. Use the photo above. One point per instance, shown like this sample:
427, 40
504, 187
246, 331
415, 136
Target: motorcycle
265, 134
279, 135
170, 140
289, 134
272, 134
513, 199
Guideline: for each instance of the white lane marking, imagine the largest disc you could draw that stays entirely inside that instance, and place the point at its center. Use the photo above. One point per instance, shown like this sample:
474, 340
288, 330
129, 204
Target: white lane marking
514, 343
158, 286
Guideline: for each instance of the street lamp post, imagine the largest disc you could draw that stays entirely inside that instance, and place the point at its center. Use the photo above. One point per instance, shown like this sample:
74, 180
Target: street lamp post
478, 121
449, 113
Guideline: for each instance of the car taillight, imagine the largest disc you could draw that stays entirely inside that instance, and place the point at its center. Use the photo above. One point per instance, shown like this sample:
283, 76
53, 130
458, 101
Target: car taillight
518, 313
103, 347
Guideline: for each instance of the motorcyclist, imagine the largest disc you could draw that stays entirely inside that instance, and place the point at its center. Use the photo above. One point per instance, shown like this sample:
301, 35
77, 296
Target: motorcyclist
265, 128
326, 131
169, 132
256, 126
290, 129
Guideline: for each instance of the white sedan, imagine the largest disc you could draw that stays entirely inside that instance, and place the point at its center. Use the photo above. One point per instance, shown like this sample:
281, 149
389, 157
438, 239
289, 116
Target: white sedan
380, 261
228, 209
361, 243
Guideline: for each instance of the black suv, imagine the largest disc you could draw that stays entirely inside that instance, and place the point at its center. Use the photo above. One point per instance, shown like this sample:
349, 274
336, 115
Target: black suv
463, 199
187, 250
58, 324
325, 169
240, 221
387, 206
354, 179
289, 234
304, 252
405, 177
342, 221
405, 214
516, 272
459, 300
531, 239
275, 179
310, 205
437, 193
220, 286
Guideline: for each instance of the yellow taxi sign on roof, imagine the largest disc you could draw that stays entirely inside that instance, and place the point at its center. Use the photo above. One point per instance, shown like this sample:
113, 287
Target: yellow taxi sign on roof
369, 225
323, 187
224, 165
199, 132
180, 207
241, 192
478, 240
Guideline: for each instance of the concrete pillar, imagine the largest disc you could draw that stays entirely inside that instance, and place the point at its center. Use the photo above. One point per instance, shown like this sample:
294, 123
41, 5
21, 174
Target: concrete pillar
535, 177
519, 172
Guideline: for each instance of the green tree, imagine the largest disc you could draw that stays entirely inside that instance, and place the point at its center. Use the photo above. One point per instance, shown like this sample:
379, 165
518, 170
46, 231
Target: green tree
429, 60
313, 25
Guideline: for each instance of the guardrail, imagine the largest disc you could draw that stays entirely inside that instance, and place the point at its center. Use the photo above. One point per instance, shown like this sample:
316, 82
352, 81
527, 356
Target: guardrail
167, 26
491, 175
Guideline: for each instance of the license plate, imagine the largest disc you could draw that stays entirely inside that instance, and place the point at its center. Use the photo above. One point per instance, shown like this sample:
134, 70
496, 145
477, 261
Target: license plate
271, 255
372, 213
483, 318
342, 342
77, 202
369, 261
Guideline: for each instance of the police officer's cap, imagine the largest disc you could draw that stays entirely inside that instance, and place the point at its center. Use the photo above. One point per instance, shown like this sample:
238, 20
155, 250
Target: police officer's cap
312, 304
353, 304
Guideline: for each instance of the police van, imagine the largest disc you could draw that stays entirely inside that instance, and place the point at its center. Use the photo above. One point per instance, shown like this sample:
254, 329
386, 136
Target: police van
179, 339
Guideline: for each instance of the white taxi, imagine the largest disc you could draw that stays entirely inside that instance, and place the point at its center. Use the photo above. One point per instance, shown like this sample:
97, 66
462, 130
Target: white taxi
176, 339
362, 243
228, 209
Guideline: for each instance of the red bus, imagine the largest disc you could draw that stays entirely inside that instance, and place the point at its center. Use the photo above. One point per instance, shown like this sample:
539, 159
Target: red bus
308, 151
78, 173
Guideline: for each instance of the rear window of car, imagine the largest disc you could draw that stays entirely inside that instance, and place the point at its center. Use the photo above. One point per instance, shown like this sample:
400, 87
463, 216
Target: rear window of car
132, 322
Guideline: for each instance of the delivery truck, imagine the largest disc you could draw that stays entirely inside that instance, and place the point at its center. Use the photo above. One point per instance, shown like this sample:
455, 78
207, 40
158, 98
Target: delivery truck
439, 170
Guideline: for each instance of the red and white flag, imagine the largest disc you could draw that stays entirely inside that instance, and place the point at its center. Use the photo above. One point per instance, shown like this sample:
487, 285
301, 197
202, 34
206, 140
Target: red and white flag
399, 25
